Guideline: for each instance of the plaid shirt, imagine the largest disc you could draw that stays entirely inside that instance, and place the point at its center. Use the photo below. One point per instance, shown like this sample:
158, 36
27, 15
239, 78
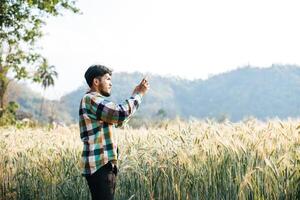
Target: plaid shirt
96, 119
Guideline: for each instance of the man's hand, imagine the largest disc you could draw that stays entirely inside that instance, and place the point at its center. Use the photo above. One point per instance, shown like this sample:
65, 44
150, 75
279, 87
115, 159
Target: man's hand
142, 88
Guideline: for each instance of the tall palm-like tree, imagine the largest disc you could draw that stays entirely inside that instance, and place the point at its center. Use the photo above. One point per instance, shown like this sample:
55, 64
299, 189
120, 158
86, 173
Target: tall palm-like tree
45, 75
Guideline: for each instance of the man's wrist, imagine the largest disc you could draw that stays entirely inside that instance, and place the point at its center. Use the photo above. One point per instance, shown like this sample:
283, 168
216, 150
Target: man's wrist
138, 96
141, 94
138, 93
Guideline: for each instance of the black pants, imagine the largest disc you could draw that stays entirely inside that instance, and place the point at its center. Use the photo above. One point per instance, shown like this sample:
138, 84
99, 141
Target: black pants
102, 183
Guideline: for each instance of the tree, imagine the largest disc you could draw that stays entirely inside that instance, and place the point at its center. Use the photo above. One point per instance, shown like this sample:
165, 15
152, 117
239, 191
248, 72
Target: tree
161, 113
9, 116
45, 75
21, 23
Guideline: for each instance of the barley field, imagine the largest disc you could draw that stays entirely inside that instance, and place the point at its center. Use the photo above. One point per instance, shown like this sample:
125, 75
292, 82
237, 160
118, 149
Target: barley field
172, 160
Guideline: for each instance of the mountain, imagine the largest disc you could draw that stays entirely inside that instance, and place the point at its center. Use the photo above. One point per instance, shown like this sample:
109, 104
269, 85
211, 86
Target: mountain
262, 93
32, 104
259, 92
249, 91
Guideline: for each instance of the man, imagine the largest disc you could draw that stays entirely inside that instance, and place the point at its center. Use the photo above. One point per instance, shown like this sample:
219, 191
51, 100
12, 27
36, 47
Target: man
96, 119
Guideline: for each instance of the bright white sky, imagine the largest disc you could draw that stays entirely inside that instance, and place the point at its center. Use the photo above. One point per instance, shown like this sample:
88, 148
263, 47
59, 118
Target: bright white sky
191, 39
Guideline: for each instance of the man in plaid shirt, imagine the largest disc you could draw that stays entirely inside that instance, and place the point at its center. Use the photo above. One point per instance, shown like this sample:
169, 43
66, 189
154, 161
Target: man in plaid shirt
96, 119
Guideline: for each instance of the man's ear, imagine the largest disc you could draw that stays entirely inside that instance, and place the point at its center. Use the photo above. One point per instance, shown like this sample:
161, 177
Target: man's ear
95, 81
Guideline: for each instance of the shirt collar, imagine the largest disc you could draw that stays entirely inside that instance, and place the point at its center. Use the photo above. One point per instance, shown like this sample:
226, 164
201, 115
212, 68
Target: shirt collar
95, 93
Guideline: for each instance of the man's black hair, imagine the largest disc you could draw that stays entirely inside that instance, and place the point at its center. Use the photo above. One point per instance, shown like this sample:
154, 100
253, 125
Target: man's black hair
96, 71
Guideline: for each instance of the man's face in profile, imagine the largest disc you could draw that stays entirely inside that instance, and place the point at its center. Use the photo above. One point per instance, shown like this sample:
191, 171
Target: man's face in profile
105, 85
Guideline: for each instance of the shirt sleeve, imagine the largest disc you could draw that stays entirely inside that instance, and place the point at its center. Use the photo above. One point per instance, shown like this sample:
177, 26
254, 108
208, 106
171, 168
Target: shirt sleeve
112, 113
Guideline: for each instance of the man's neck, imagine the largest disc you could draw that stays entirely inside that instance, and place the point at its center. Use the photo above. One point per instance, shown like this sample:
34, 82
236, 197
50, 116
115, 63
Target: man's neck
94, 90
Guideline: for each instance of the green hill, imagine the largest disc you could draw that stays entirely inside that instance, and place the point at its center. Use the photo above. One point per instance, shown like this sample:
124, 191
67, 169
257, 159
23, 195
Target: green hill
249, 91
